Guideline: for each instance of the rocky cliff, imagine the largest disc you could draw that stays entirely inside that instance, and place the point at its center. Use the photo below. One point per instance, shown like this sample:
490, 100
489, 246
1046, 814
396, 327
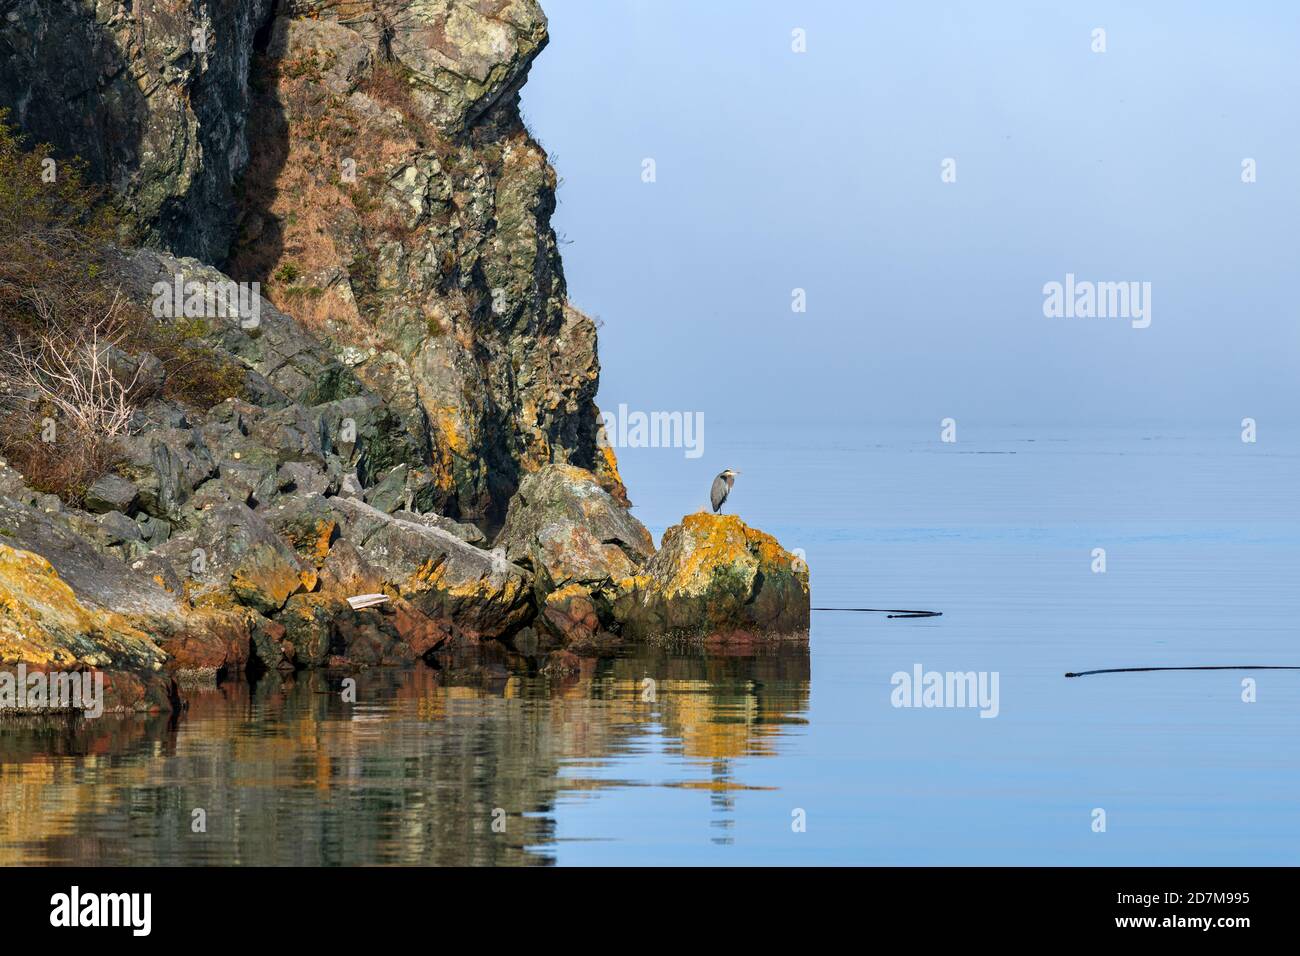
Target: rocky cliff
412, 382
370, 164
154, 97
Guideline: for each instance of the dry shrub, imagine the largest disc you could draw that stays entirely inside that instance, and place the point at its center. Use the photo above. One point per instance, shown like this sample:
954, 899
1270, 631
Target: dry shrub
62, 319
66, 402
66, 466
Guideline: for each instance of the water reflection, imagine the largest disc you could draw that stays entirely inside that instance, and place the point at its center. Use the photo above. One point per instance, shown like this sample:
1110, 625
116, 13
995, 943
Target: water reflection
415, 772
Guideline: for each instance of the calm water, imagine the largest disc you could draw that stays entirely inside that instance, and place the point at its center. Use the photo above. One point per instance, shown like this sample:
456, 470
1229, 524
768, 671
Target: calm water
1202, 539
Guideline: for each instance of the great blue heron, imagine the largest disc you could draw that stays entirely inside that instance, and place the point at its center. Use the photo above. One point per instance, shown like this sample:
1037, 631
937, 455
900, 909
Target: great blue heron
722, 487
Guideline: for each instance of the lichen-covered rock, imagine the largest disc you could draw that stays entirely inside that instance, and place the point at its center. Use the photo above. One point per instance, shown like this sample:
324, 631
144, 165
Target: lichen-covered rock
98, 579
234, 556
414, 377
321, 628
442, 576
574, 615
568, 529
212, 644
45, 625
717, 579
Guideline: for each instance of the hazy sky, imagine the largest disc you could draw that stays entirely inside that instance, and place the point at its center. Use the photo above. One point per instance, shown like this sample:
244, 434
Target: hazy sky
821, 170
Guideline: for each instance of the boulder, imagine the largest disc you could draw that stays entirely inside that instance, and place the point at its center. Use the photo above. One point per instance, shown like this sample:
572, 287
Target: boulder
578, 540
574, 615
302, 478
43, 624
390, 493
166, 464
110, 493
441, 575
468, 533
569, 530
213, 644
234, 556
718, 580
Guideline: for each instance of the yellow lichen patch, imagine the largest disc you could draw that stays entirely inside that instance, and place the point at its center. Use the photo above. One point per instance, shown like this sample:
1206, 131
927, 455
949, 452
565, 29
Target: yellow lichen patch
320, 546
634, 582
304, 605
432, 576
269, 585
40, 614
609, 469
568, 592
713, 541
214, 598
447, 420
484, 588
430, 573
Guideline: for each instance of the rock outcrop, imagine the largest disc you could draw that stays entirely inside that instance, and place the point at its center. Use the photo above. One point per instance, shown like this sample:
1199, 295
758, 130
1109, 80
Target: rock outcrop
717, 579
369, 162
44, 626
396, 204
413, 384
578, 541
566, 527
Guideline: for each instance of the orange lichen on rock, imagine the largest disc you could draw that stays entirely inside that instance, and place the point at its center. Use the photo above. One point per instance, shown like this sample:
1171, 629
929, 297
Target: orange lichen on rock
716, 578
43, 623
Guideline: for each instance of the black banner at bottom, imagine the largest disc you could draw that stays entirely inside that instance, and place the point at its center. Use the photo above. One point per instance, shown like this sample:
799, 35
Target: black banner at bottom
134, 905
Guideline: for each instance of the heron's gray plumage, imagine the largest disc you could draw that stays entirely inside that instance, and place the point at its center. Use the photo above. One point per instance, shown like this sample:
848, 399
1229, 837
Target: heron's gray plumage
721, 488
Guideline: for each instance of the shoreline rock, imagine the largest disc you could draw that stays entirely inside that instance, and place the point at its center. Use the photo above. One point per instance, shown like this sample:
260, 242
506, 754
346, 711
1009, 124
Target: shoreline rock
717, 580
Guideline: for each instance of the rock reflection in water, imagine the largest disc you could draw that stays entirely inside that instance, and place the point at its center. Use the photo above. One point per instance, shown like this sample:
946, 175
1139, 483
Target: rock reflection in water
287, 773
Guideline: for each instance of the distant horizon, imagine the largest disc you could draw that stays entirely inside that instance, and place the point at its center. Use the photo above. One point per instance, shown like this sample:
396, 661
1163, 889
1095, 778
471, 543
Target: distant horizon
823, 171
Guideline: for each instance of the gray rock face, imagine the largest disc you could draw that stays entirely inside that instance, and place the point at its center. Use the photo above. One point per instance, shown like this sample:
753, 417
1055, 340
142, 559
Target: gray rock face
288, 363
153, 96
439, 573
99, 579
468, 533
111, 493
570, 530
234, 550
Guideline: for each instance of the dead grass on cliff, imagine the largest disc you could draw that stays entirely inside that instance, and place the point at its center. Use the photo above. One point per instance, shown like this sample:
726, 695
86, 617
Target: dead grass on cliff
49, 467
315, 190
62, 316
389, 83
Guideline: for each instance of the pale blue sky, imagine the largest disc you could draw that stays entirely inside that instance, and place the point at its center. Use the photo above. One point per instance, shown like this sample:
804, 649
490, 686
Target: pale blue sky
821, 170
